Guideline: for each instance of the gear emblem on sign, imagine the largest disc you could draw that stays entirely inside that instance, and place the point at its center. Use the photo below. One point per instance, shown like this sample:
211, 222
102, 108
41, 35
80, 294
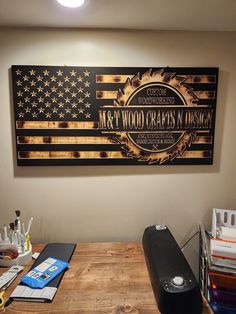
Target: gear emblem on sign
146, 91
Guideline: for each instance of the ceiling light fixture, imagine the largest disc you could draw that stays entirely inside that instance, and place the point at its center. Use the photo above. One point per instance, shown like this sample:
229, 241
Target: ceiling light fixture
71, 3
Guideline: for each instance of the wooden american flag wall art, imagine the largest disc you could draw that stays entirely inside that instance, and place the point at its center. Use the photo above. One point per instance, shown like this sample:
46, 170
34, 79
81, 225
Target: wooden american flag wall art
67, 115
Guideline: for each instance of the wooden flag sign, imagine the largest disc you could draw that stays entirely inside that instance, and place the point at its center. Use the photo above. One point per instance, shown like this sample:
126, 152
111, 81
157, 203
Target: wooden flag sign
114, 116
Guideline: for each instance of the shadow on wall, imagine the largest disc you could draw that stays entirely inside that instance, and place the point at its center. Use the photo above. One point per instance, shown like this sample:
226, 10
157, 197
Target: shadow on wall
91, 171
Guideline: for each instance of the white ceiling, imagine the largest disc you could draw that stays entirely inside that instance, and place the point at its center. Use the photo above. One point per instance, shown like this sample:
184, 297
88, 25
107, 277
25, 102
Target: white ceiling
202, 15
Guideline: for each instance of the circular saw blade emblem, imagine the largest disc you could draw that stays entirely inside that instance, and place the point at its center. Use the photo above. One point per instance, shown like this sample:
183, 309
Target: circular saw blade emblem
156, 146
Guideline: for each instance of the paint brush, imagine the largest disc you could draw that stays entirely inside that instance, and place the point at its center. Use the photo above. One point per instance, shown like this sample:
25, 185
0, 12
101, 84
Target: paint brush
12, 226
29, 225
18, 226
5, 233
23, 232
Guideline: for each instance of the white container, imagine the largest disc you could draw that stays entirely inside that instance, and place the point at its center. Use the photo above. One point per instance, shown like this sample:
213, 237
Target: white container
222, 218
22, 259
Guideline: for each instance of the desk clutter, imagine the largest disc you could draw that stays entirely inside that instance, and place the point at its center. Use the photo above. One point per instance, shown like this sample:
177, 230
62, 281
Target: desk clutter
6, 279
15, 246
41, 282
218, 262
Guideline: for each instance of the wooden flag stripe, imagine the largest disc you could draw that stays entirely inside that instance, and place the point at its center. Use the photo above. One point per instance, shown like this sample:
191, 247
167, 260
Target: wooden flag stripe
71, 155
85, 140
200, 79
63, 140
108, 78
104, 94
203, 140
56, 125
205, 94
98, 155
196, 154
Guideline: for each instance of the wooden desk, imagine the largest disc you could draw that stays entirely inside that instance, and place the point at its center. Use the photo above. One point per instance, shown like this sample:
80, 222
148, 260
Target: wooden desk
104, 278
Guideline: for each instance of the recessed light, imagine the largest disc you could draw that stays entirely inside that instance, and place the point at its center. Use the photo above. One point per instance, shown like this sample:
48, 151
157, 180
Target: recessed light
71, 3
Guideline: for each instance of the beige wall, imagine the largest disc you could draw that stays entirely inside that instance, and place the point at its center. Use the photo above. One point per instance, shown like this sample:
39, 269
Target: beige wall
116, 203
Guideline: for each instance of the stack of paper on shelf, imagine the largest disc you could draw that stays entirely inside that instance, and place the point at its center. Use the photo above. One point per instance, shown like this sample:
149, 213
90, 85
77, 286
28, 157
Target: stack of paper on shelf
218, 262
223, 252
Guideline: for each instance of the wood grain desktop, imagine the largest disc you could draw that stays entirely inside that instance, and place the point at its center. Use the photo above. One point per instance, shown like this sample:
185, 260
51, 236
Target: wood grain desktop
103, 278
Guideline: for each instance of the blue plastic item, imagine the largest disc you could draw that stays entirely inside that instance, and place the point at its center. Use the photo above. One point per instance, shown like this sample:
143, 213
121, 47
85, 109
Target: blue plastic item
223, 296
42, 274
222, 309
